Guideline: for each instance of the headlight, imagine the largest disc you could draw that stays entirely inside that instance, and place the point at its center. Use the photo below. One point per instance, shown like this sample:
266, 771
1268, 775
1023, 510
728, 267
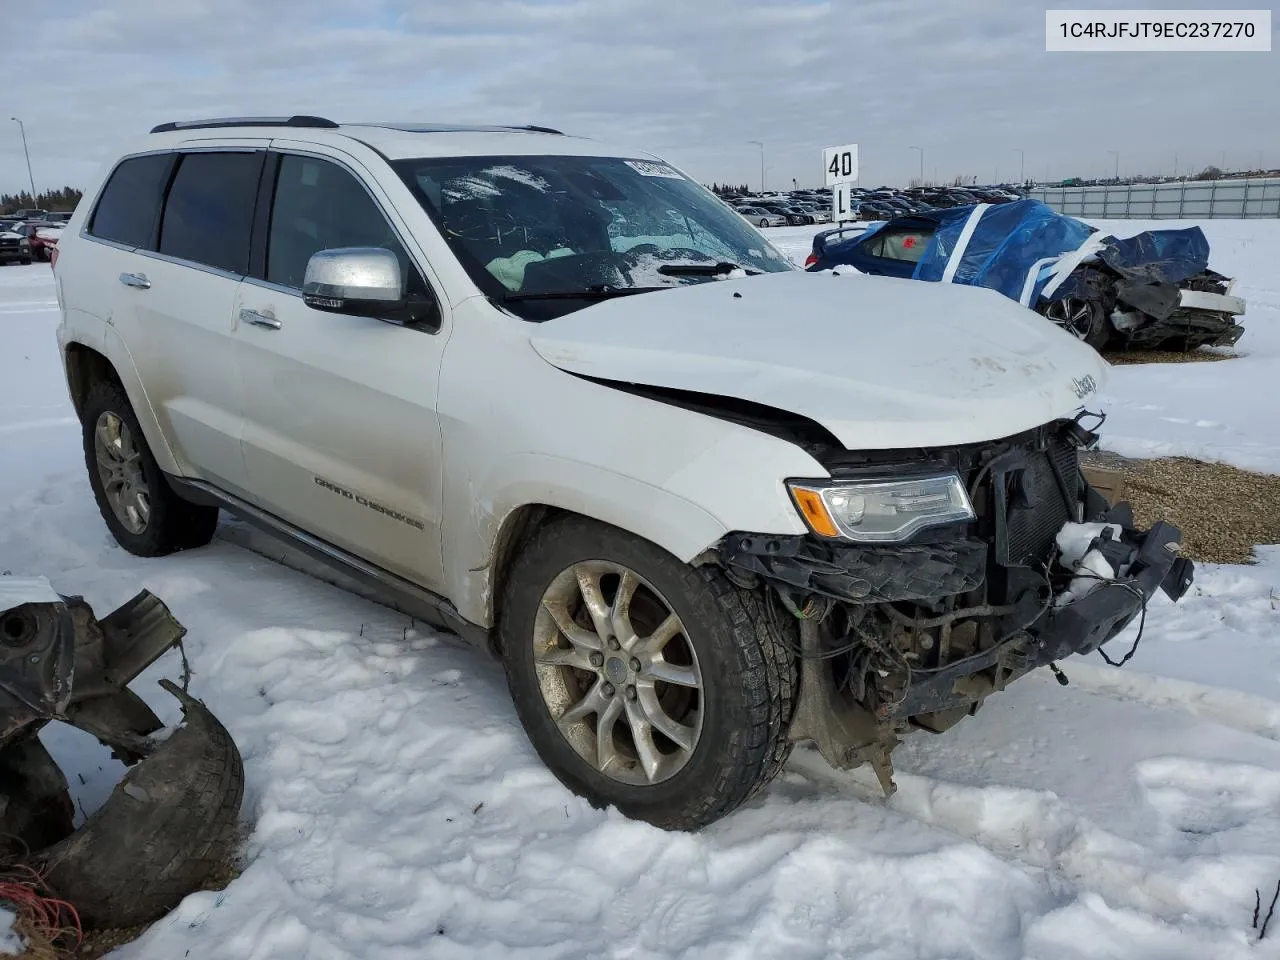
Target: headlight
883, 511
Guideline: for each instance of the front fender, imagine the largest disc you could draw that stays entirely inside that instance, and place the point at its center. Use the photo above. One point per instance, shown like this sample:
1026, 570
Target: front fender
679, 526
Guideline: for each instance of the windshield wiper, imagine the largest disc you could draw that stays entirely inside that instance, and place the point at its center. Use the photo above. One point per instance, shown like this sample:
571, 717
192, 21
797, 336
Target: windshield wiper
703, 269
600, 292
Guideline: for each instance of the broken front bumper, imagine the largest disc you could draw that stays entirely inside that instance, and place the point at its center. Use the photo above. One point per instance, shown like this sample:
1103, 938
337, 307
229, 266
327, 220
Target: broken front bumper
1079, 626
1035, 631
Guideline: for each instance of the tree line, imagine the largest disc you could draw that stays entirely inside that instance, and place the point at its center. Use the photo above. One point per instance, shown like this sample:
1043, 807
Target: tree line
56, 201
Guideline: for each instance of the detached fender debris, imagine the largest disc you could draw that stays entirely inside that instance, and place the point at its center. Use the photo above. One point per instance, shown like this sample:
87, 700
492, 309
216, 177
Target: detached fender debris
173, 818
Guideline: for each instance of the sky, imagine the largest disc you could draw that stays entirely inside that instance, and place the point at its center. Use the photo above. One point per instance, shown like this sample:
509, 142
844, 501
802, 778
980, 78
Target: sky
695, 81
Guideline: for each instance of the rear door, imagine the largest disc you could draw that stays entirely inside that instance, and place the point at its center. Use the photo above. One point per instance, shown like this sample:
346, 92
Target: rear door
183, 298
340, 430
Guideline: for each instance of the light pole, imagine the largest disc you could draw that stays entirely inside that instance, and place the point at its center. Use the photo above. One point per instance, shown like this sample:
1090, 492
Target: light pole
1022, 164
760, 144
27, 154
1175, 164
921, 149
1116, 154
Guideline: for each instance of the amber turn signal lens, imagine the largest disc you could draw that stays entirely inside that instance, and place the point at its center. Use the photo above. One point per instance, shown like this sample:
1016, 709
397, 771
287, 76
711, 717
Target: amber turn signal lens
815, 512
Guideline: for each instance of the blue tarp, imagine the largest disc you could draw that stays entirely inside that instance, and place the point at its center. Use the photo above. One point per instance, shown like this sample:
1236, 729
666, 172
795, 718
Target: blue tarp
1158, 256
1006, 243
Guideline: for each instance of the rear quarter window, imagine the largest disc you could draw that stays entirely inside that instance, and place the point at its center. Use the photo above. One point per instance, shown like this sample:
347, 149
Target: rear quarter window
129, 208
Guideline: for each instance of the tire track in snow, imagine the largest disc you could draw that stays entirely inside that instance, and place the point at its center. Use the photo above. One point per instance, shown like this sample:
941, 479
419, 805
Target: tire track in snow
1038, 831
1230, 708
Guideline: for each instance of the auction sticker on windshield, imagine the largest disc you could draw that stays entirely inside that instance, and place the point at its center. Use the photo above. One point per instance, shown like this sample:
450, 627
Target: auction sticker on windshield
1236, 31
649, 168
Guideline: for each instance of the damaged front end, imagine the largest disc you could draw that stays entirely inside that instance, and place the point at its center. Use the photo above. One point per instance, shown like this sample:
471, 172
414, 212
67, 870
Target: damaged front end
1158, 291
917, 634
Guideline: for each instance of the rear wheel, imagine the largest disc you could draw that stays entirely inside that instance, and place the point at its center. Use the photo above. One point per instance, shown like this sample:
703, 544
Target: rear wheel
143, 513
764, 222
642, 682
1084, 319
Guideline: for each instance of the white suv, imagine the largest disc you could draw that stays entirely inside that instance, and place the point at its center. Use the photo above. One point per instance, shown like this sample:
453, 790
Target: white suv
556, 397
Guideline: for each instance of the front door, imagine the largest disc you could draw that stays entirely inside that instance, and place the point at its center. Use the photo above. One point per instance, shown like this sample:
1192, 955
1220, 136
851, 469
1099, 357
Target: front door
340, 430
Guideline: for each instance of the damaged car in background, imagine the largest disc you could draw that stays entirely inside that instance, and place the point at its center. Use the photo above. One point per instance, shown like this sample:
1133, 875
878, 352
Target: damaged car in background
1153, 290
715, 505
173, 818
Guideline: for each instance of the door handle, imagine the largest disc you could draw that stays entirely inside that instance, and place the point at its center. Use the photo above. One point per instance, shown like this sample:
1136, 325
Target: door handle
138, 280
259, 319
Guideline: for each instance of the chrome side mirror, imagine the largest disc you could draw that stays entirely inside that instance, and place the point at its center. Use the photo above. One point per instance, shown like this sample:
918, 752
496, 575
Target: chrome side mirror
352, 280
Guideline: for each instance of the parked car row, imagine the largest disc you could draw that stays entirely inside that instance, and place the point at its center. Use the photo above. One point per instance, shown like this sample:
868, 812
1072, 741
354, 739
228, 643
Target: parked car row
24, 238
804, 207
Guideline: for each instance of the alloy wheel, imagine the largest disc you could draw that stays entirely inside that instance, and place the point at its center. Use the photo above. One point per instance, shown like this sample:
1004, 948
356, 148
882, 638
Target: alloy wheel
617, 673
1073, 315
120, 470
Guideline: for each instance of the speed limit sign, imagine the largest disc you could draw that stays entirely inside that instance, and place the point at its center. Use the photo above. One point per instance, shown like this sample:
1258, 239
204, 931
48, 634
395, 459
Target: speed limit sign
840, 164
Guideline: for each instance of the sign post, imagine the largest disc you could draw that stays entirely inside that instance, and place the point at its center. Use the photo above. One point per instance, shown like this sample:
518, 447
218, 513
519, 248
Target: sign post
840, 170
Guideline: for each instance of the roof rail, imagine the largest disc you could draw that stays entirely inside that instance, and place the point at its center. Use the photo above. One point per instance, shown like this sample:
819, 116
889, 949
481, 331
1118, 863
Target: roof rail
298, 120
412, 127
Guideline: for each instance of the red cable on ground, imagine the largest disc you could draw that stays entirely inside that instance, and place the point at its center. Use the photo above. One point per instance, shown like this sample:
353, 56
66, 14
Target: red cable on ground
20, 888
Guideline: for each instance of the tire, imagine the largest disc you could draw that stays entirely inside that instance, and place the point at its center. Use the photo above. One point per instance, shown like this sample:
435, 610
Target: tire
1084, 319
745, 671
25, 261
168, 523
162, 833
764, 223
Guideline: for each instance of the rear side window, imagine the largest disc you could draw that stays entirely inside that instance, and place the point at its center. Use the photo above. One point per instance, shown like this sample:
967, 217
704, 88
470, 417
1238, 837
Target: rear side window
208, 217
130, 204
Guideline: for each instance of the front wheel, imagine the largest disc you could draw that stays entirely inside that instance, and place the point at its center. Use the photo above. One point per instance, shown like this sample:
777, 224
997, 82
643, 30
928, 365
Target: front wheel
1084, 319
642, 682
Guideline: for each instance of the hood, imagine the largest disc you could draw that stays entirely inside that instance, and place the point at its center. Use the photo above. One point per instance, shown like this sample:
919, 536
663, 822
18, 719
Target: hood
882, 363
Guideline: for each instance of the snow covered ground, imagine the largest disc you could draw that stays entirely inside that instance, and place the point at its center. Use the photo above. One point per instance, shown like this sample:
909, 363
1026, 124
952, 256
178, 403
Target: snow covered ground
399, 812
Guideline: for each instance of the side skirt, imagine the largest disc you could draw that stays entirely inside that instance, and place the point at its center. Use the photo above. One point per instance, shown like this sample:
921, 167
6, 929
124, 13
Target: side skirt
366, 579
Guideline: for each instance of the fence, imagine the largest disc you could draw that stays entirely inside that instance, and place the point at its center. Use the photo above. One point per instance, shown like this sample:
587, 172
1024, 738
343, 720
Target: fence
1198, 199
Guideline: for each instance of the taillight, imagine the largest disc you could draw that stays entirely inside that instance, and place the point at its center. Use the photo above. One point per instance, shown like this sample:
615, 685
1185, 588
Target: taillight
810, 260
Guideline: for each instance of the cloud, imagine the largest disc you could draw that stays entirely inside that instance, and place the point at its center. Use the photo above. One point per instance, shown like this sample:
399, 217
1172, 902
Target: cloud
970, 81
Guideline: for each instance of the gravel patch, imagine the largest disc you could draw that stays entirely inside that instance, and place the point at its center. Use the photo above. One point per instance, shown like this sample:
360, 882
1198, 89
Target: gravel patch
1222, 511
1120, 358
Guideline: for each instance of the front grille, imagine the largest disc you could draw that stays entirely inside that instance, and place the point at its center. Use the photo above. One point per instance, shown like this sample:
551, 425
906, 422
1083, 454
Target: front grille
6, 242
1029, 499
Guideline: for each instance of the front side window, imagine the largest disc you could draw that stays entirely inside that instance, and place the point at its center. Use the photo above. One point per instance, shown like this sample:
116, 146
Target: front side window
130, 203
548, 234
319, 206
208, 216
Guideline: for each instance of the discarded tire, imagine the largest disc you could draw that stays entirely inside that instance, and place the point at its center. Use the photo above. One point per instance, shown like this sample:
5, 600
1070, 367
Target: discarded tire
167, 825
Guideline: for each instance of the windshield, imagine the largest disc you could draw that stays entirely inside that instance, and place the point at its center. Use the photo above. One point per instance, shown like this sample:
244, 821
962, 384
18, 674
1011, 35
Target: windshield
551, 234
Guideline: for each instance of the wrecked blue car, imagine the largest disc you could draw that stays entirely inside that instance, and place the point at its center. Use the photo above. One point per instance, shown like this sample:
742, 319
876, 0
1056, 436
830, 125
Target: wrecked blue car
1153, 290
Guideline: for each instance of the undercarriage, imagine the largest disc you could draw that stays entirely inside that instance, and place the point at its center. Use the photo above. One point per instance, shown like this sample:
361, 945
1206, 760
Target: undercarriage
895, 637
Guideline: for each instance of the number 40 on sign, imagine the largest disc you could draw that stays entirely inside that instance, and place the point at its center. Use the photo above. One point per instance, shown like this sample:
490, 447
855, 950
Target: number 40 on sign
840, 164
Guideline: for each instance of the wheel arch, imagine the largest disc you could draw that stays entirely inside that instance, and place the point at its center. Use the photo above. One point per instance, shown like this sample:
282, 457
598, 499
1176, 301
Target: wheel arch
486, 552
86, 365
